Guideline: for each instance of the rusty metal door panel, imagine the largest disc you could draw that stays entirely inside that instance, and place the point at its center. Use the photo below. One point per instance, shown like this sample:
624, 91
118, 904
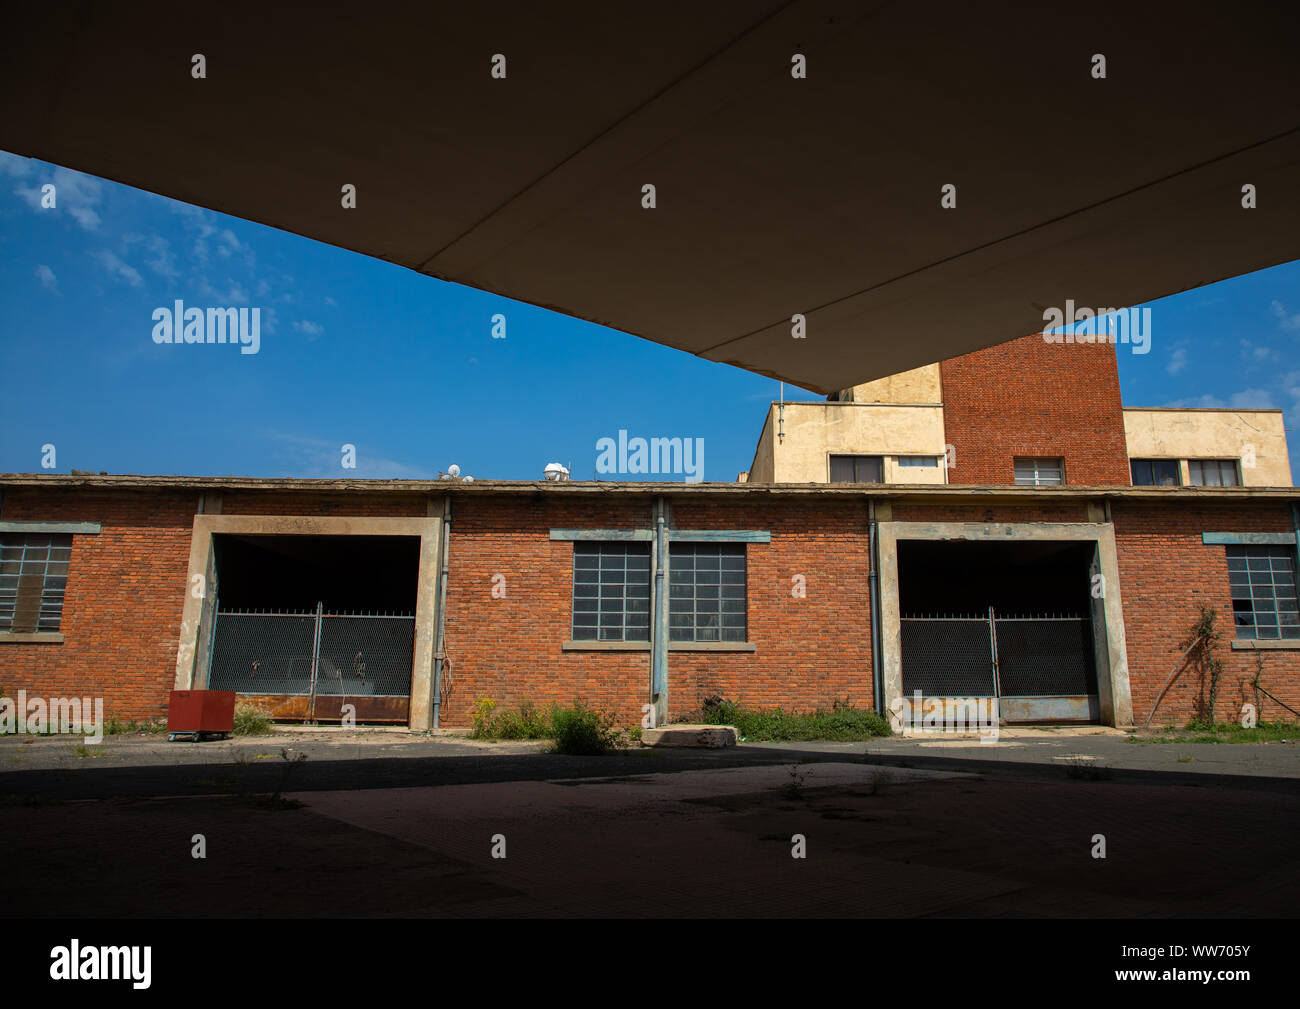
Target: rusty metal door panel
317, 666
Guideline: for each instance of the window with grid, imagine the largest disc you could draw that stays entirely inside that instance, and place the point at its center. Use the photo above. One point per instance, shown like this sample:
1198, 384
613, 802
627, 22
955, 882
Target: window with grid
1040, 472
857, 469
1212, 473
1155, 472
611, 592
33, 575
707, 592
1263, 592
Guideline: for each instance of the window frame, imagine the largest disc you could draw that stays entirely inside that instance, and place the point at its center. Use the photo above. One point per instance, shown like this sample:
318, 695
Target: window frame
1151, 463
51, 598
602, 549
730, 621
1220, 463
1246, 560
1037, 462
856, 458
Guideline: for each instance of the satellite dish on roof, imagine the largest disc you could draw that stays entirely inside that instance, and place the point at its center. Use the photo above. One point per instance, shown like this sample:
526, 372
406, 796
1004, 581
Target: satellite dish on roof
555, 472
453, 470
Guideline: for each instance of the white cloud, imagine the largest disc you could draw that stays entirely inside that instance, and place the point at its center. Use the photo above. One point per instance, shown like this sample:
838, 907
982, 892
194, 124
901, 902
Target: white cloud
319, 457
312, 329
195, 217
234, 295
47, 278
200, 222
14, 166
1252, 399
1206, 401
1291, 383
1285, 321
1177, 361
1256, 352
163, 262
119, 268
74, 193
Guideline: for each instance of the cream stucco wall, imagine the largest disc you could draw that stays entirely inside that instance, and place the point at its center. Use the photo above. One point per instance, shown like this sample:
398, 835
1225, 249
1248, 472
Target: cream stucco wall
1256, 437
920, 385
762, 468
815, 431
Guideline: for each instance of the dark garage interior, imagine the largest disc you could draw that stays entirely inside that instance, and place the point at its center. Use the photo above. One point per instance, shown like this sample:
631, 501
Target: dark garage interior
319, 628
347, 573
966, 578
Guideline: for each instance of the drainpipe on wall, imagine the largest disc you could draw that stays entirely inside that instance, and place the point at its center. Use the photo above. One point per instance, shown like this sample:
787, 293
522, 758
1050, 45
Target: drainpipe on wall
873, 584
659, 633
438, 656
1295, 524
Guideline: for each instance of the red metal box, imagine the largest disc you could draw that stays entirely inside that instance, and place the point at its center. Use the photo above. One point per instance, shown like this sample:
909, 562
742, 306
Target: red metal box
201, 711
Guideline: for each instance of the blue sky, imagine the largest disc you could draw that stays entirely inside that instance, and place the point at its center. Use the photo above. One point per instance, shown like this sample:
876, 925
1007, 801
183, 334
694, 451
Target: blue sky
404, 367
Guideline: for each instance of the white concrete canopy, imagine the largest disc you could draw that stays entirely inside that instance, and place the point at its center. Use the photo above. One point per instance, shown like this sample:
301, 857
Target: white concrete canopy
775, 195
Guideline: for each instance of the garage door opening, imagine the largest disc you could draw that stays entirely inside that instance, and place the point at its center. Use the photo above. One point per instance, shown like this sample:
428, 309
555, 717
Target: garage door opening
316, 628
1010, 621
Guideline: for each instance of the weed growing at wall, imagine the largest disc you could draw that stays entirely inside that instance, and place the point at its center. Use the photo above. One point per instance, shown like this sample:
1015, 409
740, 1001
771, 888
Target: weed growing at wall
581, 731
842, 723
1205, 660
250, 720
486, 722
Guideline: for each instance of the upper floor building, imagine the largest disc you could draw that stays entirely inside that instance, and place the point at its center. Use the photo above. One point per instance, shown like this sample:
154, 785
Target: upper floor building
1025, 412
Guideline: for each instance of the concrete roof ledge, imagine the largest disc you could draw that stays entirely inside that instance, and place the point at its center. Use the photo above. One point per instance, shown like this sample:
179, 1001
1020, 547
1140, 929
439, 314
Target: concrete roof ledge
945, 492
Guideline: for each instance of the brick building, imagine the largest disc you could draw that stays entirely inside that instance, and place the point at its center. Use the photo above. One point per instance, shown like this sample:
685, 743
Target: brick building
1051, 548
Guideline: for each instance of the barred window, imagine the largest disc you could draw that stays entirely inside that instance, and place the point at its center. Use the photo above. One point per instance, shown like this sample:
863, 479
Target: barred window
1263, 592
611, 592
33, 575
1212, 472
707, 592
1040, 472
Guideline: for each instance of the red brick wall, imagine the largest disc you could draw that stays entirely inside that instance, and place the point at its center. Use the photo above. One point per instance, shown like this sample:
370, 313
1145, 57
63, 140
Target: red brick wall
509, 649
1033, 398
126, 592
122, 607
1166, 575
809, 651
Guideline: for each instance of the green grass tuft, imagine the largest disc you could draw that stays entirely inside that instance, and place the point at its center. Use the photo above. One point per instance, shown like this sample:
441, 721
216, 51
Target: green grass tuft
842, 723
250, 720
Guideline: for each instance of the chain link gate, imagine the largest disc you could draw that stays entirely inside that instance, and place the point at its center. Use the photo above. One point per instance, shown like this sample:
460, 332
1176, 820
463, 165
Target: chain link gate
309, 666
1039, 667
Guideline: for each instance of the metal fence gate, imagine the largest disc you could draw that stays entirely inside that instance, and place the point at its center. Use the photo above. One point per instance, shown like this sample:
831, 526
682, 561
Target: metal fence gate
1040, 667
308, 666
